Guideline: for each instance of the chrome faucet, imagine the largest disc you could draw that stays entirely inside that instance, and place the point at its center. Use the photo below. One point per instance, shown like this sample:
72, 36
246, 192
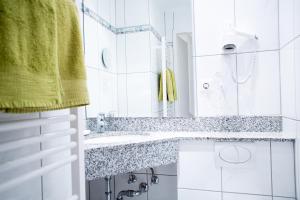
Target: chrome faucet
101, 123
143, 188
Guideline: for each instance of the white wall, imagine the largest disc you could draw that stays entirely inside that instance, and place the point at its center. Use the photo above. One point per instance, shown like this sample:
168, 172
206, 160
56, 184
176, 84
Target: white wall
102, 82
290, 71
137, 62
269, 174
261, 94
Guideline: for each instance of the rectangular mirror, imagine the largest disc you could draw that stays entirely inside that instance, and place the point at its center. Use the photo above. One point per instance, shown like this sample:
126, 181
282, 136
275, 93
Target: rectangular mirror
129, 48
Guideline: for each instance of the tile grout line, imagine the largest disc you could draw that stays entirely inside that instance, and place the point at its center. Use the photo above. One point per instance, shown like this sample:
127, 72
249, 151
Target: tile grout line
239, 53
279, 53
237, 85
222, 195
271, 167
295, 168
196, 109
240, 193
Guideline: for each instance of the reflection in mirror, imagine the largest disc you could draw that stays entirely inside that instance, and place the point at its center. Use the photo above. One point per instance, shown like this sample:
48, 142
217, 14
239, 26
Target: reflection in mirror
144, 38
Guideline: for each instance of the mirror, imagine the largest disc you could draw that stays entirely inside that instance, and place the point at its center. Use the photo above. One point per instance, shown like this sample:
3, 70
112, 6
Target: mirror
139, 58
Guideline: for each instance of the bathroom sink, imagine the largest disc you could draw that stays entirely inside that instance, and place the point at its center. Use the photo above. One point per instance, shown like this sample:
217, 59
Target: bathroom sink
116, 139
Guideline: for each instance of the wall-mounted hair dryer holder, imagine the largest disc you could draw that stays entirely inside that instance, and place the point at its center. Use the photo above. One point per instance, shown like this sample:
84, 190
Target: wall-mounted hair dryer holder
232, 35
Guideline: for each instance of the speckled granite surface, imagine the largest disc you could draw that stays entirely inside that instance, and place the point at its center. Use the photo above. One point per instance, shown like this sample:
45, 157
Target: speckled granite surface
101, 162
213, 124
104, 159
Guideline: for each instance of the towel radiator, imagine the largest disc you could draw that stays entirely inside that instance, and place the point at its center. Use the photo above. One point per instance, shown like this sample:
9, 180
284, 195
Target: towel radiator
75, 146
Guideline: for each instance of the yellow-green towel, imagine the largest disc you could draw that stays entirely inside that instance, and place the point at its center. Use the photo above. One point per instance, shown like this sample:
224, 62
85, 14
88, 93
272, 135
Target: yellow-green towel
41, 56
171, 87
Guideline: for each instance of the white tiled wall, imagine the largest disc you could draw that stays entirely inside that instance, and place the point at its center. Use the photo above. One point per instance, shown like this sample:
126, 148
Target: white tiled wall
258, 178
209, 25
270, 173
260, 95
192, 169
290, 70
102, 82
222, 96
137, 59
137, 12
138, 52
259, 17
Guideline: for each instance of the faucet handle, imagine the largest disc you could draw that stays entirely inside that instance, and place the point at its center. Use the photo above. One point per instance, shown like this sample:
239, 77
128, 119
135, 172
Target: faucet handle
132, 178
144, 187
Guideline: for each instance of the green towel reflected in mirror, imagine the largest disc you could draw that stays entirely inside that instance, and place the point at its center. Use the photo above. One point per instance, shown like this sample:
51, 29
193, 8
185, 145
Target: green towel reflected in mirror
171, 86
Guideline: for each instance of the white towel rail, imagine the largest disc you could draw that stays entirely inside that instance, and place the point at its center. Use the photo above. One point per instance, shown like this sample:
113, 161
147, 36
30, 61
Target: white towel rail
75, 160
34, 140
17, 125
35, 157
40, 172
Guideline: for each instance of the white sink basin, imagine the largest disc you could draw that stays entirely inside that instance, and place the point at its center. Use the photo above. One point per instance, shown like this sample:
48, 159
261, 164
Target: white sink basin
117, 139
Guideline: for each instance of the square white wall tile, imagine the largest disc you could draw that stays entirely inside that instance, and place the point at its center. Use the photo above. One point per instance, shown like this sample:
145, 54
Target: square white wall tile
106, 9
261, 18
108, 93
136, 12
92, 4
139, 94
121, 183
209, 21
170, 170
93, 84
260, 95
122, 95
120, 13
288, 82
289, 127
185, 194
138, 52
297, 159
156, 104
165, 190
229, 196
107, 40
221, 96
155, 54
282, 198
286, 18
283, 171
297, 69
251, 181
197, 168
297, 17
91, 39
121, 54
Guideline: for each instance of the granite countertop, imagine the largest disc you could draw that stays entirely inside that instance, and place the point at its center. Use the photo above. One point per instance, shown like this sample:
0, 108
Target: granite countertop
112, 153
